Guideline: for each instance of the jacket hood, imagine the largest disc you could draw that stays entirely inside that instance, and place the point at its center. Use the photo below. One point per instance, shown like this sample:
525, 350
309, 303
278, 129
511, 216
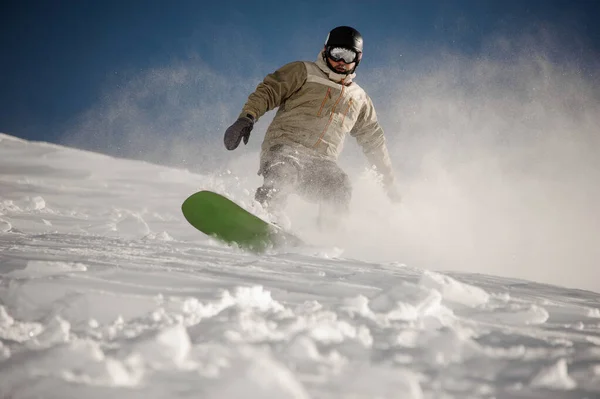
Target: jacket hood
336, 77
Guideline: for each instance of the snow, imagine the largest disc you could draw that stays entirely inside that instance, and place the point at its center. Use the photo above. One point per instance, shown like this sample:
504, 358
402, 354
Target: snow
555, 376
106, 290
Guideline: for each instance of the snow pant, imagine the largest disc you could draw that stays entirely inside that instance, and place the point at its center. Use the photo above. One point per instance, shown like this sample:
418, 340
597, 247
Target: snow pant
286, 170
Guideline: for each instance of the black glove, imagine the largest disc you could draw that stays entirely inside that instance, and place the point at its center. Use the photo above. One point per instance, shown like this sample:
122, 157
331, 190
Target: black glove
240, 129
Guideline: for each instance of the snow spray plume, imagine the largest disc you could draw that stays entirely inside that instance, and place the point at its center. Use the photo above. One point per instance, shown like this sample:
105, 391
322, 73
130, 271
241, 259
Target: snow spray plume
497, 155
173, 115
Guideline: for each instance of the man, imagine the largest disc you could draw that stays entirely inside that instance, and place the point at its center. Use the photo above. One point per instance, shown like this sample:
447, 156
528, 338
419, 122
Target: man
318, 104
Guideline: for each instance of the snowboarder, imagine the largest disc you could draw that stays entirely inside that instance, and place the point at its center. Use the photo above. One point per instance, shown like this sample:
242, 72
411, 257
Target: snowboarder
318, 104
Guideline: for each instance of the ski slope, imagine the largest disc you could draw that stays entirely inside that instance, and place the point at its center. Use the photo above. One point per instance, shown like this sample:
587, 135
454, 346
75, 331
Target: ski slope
105, 291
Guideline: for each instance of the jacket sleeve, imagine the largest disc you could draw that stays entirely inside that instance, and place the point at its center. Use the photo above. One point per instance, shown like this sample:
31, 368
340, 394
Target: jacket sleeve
275, 89
370, 137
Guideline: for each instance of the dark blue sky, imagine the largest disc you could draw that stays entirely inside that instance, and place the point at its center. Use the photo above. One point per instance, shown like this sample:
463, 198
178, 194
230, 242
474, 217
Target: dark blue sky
59, 56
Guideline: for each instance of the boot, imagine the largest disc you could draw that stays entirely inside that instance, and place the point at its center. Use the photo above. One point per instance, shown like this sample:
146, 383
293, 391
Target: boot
273, 201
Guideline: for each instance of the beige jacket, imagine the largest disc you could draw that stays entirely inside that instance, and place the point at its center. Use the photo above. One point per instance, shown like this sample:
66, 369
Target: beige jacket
317, 107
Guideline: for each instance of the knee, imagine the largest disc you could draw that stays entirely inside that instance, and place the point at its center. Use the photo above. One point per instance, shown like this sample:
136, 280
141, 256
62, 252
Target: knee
280, 172
280, 178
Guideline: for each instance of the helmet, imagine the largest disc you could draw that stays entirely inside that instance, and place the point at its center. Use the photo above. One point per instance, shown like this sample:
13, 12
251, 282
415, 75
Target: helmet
345, 36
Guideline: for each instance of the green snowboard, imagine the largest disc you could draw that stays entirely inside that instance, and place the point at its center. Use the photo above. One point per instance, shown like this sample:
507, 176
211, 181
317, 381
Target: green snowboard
219, 217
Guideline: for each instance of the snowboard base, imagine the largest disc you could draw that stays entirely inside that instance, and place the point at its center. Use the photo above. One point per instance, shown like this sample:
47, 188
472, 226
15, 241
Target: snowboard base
223, 219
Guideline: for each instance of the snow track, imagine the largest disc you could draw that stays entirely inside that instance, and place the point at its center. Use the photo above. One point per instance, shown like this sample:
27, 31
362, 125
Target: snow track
104, 290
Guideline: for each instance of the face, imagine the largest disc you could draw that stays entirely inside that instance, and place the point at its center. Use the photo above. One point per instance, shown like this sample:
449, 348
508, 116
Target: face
341, 66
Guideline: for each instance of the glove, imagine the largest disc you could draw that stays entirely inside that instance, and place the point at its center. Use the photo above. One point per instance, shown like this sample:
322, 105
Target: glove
240, 129
393, 193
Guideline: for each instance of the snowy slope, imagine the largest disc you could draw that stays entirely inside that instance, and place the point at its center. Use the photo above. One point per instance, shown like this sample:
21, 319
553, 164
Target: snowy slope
105, 290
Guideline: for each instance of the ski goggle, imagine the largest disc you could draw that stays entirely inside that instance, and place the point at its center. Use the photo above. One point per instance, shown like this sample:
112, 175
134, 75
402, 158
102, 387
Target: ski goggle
342, 54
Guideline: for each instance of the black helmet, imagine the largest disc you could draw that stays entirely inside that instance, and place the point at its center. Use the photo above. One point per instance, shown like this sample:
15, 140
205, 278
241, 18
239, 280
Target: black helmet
346, 37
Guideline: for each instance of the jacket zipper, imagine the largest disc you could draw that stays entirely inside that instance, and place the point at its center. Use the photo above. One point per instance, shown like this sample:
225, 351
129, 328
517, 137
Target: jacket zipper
346, 112
324, 101
331, 115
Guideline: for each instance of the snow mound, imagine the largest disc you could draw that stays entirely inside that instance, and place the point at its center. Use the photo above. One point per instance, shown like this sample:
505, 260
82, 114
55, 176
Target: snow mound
16, 331
4, 226
55, 332
25, 204
162, 349
555, 376
407, 302
81, 362
379, 382
454, 291
514, 314
254, 373
38, 268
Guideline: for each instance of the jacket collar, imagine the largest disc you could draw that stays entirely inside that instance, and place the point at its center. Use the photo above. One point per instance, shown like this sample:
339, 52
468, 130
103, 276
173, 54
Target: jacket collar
336, 77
